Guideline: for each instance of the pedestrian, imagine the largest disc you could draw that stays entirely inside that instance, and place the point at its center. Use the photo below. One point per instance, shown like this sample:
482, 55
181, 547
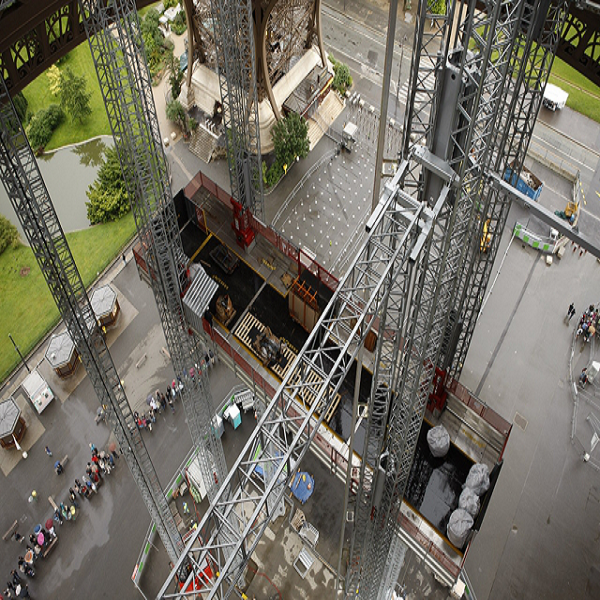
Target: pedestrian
58, 467
170, 401
17, 537
73, 497
32, 538
57, 516
48, 451
124, 259
163, 402
571, 311
15, 577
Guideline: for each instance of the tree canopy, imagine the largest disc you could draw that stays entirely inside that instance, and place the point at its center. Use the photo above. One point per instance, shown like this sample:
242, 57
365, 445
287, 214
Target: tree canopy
290, 139
74, 95
9, 235
108, 198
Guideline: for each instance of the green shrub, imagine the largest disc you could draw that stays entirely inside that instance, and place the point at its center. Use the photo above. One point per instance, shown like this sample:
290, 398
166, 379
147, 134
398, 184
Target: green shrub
342, 80
437, 7
42, 124
108, 197
154, 41
9, 235
179, 24
21, 104
290, 139
272, 174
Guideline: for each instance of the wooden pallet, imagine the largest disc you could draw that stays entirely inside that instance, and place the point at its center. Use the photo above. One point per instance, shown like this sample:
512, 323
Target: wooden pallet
247, 331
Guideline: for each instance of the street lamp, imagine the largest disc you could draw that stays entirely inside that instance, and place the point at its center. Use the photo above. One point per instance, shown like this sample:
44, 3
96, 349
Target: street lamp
19, 353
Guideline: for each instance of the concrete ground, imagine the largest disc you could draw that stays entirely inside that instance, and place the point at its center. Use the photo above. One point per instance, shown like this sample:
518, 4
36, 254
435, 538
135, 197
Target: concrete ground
539, 537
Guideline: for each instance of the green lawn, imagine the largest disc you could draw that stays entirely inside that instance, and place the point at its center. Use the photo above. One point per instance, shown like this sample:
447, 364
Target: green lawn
27, 308
38, 96
584, 96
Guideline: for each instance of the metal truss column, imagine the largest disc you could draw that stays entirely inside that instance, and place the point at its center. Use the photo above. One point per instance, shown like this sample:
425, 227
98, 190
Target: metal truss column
462, 116
531, 59
236, 60
30, 199
115, 39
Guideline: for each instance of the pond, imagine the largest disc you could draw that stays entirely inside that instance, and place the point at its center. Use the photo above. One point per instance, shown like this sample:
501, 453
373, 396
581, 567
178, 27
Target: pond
68, 173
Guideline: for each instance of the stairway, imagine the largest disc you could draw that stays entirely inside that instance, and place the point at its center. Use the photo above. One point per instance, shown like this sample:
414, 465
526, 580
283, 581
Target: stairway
202, 143
329, 110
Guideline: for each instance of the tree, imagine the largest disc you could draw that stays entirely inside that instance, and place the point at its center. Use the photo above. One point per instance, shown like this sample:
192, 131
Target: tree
342, 80
290, 139
21, 105
108, 198
43, 124
74, 95
54, 77
437, 7
9, 235
175, 75
176, 113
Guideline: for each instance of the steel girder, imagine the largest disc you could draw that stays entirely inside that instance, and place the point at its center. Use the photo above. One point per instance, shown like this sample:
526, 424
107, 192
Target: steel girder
30, 198
117, 49
357, 306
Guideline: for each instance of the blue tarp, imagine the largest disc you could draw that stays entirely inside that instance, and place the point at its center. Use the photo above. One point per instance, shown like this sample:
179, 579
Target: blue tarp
303, 486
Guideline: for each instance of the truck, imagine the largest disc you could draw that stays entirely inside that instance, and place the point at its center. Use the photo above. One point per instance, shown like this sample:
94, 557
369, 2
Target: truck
527, 183
554, 98
37, 390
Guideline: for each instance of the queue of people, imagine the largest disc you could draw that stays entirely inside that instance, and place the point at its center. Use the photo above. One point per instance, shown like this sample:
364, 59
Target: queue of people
588, 323
43, 537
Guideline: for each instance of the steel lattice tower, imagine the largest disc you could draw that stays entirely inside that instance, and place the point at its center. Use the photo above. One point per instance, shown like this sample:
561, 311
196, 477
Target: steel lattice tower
30, 199
236, 60
468, 59
523, 92
115, 39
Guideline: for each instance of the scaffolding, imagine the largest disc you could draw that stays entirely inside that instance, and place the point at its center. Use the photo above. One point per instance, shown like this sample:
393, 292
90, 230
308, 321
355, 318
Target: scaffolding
32, 204
113, 31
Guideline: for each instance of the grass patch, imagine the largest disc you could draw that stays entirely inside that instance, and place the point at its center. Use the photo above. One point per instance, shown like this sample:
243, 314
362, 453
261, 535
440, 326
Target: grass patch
27, 307
38, 96
584, 96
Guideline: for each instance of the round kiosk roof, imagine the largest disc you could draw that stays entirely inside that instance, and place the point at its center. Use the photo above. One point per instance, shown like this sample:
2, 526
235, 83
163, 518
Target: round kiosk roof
60, 350
103, 301
9, 417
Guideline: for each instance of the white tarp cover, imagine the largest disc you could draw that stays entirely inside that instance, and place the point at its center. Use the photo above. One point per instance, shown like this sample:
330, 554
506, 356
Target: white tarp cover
459, 525
439, 441
469, 501
478, 479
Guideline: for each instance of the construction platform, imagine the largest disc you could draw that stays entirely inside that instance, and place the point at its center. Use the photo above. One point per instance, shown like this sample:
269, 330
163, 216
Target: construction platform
259, 285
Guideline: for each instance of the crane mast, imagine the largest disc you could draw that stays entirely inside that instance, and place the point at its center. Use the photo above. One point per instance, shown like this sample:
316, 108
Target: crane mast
113, 31
462, 104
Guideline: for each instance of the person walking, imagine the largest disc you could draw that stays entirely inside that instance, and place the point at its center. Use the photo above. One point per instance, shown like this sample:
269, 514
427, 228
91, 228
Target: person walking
571, 310
48, 451
58, 467
17, 537
170, 402
15, 577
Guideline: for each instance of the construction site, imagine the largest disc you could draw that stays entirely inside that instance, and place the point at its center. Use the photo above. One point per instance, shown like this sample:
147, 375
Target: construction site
361, 452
